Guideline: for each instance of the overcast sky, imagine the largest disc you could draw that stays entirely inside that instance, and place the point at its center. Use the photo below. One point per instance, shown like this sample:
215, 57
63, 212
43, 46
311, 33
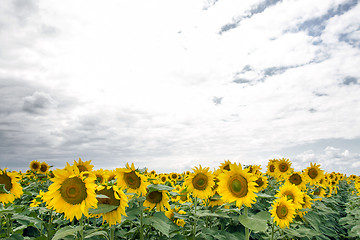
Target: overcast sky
170, 84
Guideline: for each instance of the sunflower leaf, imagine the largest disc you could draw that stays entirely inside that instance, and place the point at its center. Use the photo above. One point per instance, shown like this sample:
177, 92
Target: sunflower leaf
102, 208
257, 223
101, 196
159, 187
66, 231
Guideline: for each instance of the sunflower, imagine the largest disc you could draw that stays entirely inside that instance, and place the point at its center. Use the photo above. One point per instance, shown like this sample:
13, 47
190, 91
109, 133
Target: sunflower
297, 179
293, 193
115, 197
13, 189
283, 168
313, 174
164, 178
44, 168
173, 176
35, 165
261, 183
100, 175
71, 192
237, 185
307, 202
215, 200
110, 175
158, 199
283, 212
37, 200
271, 167
200, 182
184, 195
254, 169
128, 178
171, 215
84, 166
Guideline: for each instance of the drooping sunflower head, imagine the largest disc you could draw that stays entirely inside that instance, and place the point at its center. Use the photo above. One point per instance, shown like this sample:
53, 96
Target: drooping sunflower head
116, 198
313, 174
158, 199
200, 182
71, 192
292, 193
100, 175
283, 212
283, 168
35, 165
44, 168
12, 186
237, 185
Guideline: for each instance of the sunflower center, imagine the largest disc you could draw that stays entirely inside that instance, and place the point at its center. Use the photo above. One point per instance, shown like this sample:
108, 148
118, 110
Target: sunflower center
154, 197
183, 197
111, 200
35, 166
313, 173
6, 180
295, 179
283, 167
73, 190
238, 186
272, 168
281, 211
200, 181
227, 167
132, 180
82, 168
43, 168
289, 195
259, 182
174, 176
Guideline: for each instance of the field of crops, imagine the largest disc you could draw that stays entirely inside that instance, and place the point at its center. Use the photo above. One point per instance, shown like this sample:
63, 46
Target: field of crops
230, 202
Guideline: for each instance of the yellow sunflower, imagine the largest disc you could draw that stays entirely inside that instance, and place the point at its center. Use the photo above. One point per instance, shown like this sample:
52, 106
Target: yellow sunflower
313, 174
292, 193
271, 167
13, 189
184, 195
71, 192
200, 182
128, 178
44, 168
237, 185
261, 183
158, 199
116, 197
84, 166
35, 165
171, 215
283, 212
297, 179
225, 166
307, 202
100, 175
174, 176
283, 168
254, 169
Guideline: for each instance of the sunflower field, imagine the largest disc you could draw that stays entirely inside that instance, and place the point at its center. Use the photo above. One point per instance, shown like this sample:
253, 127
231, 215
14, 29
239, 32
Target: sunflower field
230, 202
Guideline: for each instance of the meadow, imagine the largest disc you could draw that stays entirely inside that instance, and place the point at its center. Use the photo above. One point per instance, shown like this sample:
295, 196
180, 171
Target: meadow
230, 202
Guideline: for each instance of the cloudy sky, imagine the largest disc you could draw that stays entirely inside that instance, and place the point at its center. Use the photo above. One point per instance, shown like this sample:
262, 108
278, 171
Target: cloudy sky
170, 84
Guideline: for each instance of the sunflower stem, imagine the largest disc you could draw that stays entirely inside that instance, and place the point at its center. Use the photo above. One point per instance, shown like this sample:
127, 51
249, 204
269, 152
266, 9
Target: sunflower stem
247, 233
112, 232
195, 220
8, 225
49, 226
82, 228
272, 231
141, 230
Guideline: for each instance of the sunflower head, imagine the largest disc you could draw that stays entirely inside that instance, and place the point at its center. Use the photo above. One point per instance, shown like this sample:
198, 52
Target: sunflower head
271, 167
44, 168
237, 185
261, 182
13, 189
314, 174
283, 168
292, 193
283, 212
35, 165
130, 179
200, 182
297, 179
84, 166
158, 199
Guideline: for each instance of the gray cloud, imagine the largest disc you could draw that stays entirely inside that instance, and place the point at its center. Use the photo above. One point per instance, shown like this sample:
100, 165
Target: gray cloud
38, 103
217, 100
350, 80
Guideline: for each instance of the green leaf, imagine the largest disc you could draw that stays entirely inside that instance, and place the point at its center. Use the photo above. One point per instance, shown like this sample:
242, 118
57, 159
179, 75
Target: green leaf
102, 208
159, 187
101, 196
3, 189
257, 223
66, 231
16, 237
263, 195
160, 222
207, 213
97, 233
